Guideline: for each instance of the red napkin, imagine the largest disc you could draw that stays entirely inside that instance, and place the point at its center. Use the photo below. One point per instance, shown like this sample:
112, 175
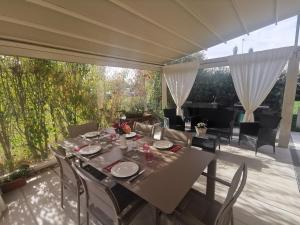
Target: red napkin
137, 137
77, 148
176, 148
108, 168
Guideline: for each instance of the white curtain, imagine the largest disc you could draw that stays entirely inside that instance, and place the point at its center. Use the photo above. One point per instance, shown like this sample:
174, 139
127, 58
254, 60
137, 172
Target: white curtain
255, 74
180, 79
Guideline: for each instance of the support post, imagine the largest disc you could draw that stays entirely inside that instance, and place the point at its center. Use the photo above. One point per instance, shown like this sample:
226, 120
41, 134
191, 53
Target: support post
289, 94
288, 101
163, 91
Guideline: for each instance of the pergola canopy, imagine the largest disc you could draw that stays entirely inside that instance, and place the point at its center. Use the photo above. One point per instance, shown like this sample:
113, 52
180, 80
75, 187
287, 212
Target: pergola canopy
130, 33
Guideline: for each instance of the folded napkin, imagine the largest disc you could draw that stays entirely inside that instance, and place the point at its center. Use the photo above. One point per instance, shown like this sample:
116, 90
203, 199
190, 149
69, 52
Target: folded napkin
77, 148
108, 168
176, 148
137, 137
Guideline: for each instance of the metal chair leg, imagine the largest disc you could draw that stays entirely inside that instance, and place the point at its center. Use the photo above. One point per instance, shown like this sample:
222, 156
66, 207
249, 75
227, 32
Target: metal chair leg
87, 218
78, 207
87, 211
61, 194
157, 216
232, 220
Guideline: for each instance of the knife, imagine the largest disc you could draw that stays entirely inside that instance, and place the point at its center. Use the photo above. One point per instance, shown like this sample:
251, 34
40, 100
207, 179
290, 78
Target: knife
136, 176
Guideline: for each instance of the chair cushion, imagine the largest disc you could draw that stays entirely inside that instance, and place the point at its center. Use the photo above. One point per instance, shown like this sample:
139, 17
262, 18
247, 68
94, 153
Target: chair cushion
197, 205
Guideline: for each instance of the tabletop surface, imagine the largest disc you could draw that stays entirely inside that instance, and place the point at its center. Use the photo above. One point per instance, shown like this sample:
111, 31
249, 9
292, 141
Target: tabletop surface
167, 178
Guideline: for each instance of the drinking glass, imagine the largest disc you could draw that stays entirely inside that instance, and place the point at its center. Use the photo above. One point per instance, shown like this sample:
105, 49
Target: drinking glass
148, 153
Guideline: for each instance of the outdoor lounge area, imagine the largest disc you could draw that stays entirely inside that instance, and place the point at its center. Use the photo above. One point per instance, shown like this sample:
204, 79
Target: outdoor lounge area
117, 112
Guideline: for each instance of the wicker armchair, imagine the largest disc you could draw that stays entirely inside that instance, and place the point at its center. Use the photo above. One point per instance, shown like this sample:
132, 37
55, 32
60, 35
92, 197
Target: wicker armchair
262, 132
174, 121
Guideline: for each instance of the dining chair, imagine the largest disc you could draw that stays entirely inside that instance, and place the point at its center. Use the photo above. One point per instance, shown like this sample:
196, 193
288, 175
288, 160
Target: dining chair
68, 177
144, 129
197, 208
179, 137
76, 130
108, 202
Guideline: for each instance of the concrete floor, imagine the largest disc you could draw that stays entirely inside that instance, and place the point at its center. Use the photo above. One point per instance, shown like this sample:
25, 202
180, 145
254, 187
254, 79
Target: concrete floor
271, 195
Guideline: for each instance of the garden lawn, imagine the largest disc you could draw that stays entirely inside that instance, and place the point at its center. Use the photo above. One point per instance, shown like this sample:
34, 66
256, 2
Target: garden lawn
296, 106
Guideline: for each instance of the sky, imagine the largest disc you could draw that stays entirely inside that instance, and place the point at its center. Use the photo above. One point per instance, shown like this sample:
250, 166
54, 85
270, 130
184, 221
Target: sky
273, 36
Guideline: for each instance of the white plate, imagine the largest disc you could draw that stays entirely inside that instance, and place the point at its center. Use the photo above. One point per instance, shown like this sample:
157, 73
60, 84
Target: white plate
91, 134
163, 144
90, 149
130, 135
124, 169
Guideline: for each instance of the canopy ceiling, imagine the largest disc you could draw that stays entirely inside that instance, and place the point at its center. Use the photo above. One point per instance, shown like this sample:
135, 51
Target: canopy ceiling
130, 33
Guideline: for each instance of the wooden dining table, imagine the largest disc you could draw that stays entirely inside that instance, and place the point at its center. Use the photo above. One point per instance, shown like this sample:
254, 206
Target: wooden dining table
167, 177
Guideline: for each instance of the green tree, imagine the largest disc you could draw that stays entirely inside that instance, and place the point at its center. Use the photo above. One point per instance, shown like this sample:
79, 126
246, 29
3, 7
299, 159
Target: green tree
6, 119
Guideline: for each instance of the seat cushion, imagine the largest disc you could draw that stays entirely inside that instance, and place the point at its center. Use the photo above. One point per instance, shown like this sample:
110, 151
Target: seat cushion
197, 205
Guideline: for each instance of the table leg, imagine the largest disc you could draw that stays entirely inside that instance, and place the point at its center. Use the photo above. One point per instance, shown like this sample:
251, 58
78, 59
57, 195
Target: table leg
210, 184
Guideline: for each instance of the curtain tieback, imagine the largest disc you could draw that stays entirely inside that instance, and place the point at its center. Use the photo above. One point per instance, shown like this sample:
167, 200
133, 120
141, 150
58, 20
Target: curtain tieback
178, 111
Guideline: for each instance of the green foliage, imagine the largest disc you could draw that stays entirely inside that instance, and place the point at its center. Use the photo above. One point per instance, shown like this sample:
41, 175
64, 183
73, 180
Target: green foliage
40, 98
213, 85
296, 107
294, 118
22, 171
153, 91
294, 122
275, 97
217, 85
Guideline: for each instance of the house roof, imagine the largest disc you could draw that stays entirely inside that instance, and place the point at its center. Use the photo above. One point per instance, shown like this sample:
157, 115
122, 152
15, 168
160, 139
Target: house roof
130, 33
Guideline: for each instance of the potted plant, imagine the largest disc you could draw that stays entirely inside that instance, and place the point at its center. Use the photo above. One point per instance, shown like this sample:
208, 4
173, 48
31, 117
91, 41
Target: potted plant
201, 128
16, 179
